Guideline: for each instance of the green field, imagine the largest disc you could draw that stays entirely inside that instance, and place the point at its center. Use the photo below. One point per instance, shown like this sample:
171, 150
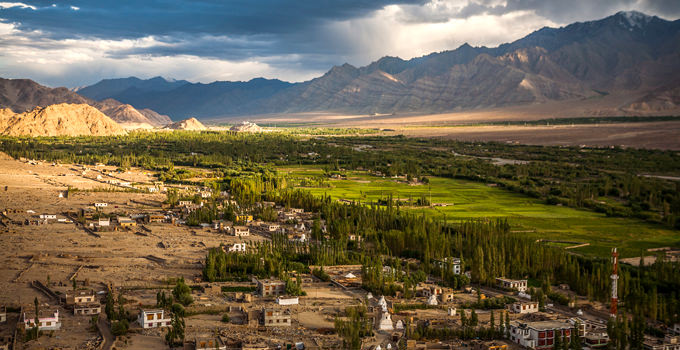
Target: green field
468, 200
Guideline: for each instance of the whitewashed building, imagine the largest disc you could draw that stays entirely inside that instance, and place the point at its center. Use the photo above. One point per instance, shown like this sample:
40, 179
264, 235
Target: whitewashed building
48, 320
506, 283
153, 319
524, 307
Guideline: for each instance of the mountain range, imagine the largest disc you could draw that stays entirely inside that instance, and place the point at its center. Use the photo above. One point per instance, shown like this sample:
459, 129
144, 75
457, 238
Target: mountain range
629, 55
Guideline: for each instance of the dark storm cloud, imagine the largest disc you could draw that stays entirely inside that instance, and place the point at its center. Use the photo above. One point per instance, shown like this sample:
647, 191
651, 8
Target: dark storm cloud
115, 19
78, 41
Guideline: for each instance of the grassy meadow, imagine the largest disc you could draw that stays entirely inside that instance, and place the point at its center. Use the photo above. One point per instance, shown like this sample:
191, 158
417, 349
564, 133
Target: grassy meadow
469, 200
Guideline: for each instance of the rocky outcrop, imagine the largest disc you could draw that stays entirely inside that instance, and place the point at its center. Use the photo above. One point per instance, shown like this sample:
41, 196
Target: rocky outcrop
129, 117
22, 95
187, 124
59, 120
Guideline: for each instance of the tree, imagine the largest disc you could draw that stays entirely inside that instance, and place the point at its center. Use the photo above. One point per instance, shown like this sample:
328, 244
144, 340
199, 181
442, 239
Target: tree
557, 342
182, 292
575, 343
176, 333
507, 325
109, 308
172, 196
473, 318
119, 327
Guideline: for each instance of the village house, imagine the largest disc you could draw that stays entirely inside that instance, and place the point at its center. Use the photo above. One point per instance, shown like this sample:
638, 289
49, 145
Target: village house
83, 302
87, 309
524, 307
126, 221
240, 231
3, 314
244, 218
287, 217
454, 264
596, 340
298, 237
155, 218
269, 227
235, 248
190, 208
210, 344
505, 283
288, 301
428, 290
48, 216
185, 203
153, 319
80, 297
271, 287
541, 335
100, 205
669, 342
48, 320
276, 318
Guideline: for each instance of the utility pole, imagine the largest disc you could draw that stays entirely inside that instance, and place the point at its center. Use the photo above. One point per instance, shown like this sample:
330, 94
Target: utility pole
615, 278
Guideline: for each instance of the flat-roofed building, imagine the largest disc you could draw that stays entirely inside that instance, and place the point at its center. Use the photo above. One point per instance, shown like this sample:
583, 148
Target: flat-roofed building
506, 283
240, 231
524, 307
126, 221
541, 335
80, 297
276, 318
669, 342
271, 287
453, 264
87, 309
153, 318
48, 320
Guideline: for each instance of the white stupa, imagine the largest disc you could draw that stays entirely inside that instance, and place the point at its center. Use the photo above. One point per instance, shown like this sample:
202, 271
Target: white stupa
382, 301
385, 322
400, 325
369, 295
389, 346
432, 300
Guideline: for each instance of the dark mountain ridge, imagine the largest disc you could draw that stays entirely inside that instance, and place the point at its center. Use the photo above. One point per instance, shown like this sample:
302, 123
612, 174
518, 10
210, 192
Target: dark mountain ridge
629, 54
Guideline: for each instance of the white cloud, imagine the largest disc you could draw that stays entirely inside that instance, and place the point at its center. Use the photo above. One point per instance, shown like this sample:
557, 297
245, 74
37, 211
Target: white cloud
388, 33
6, 5
77, 62
75, 8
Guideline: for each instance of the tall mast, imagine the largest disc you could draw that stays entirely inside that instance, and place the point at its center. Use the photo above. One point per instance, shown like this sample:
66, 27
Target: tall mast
615, 278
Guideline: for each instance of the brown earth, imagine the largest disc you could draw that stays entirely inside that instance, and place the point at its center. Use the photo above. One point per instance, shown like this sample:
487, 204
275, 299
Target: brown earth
59, 120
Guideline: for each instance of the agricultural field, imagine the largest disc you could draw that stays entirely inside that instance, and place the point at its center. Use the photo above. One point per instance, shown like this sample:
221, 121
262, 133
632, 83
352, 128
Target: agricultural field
466, 200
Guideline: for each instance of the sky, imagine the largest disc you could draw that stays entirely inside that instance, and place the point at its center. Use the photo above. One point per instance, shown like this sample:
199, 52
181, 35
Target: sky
79, 42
